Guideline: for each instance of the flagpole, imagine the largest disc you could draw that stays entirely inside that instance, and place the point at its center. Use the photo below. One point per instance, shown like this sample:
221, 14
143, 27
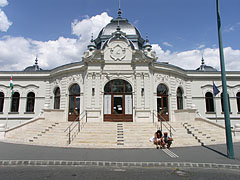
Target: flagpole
215, 108
230, 150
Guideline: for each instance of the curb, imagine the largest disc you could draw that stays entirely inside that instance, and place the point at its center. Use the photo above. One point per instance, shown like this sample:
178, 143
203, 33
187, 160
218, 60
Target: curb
115, 164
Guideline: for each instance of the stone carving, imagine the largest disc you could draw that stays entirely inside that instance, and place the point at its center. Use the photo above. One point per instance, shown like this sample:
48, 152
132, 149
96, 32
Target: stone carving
118, 53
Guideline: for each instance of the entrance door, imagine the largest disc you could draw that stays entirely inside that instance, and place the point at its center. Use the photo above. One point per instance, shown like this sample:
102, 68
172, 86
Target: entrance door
118, 101
162, 102
74, 103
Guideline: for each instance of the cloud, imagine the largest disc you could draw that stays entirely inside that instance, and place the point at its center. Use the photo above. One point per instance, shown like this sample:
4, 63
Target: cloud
84, 28
167, 44
4, 22
17, 53
231, 28
3, 3
191, 59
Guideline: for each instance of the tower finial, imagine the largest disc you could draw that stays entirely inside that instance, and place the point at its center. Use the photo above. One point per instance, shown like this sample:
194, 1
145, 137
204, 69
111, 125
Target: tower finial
147, 41
119, 10
36, 61
92, 38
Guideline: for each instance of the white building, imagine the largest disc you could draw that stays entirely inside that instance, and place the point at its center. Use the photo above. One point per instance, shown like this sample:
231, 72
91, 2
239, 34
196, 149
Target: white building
117, 79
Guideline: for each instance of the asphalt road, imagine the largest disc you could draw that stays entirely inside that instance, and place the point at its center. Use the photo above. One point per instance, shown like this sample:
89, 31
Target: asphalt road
199, 154
105, 173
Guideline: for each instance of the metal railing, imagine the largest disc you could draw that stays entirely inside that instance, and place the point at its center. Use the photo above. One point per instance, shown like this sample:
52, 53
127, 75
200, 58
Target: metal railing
75, 127
160, 123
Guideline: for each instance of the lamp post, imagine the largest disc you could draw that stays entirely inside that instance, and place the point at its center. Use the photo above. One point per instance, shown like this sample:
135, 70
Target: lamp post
230, 150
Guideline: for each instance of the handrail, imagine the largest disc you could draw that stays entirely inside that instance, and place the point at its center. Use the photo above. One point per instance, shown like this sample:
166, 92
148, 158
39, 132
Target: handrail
170, 128
70, 129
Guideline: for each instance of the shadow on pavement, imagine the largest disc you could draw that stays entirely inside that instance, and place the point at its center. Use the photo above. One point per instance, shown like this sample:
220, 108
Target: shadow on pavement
216, 151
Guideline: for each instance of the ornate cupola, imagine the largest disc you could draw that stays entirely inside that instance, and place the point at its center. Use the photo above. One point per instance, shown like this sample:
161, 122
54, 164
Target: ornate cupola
147, 45
92, 45
33, 68
204, 67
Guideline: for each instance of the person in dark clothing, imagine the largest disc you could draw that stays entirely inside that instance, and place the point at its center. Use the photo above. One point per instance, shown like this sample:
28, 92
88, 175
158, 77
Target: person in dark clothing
167, 140
158, 139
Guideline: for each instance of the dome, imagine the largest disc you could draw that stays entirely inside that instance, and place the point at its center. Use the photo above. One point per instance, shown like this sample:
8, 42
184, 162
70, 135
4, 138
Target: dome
33, 68
204, 67
129, 31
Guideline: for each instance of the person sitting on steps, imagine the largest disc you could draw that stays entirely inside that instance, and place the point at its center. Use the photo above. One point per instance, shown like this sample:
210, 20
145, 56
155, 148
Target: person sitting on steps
158, 139
167, 140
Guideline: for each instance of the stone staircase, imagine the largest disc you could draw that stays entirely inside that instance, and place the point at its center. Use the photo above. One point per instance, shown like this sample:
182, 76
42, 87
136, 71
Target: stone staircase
40, 132
115, 134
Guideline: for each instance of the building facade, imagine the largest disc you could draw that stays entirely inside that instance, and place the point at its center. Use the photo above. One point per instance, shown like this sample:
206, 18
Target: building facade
118, 79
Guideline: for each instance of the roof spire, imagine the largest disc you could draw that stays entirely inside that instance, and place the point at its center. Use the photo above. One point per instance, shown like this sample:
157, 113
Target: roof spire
119, 10
92, 45
147, 44
36, 61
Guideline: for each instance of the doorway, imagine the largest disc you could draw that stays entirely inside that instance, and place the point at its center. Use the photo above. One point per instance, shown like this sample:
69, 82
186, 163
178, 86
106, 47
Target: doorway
162, 103
74, 103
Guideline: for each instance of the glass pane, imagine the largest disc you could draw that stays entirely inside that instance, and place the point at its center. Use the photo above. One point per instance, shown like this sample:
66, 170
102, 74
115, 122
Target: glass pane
165, 105
1, 101
128, 87
107, 87
162, 89
128, 104
117, 88
57, 92
107, 104
77, 108
71, 105
117, 108
159, 104
30, 104
75, 90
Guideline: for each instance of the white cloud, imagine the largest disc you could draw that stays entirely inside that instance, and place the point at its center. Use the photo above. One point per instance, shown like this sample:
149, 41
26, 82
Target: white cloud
167, 44
16, 53
84, 28
192, 59
4, 22
3, 3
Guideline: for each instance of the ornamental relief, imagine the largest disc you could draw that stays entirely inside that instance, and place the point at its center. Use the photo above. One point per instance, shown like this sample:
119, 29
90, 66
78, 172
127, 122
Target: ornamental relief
161, 78
118, 53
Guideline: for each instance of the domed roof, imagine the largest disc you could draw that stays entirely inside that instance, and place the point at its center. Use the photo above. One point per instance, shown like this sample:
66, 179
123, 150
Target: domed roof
125, 26
204, 67
129, 31
33, 68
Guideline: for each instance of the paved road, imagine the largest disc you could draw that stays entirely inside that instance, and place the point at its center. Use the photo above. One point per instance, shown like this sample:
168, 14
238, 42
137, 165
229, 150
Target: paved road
105, 173
212, 154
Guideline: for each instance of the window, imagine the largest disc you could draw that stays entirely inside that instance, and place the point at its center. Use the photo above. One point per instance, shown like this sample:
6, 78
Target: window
222, 103
30, 102
238, 101
57, 96
162, 90
15, 102
179, 98
209, 102
1, 101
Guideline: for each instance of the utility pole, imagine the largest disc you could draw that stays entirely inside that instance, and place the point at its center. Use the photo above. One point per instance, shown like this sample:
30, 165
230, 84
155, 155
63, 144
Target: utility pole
230, 150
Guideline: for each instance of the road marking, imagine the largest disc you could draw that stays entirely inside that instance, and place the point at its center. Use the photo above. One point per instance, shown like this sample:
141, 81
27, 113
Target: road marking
170, 153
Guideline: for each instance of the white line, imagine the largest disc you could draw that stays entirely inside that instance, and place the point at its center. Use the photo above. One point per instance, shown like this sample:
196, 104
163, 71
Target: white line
170, 153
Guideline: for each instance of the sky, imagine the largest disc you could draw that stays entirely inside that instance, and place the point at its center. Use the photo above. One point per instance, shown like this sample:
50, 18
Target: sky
58, 31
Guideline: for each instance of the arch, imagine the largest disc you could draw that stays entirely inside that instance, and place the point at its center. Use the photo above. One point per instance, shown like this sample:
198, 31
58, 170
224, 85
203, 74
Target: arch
162, 102
1, 101
179, 98
209, 102
57, 97
118, 101
229, 106
15, 102
30, 102
162, 89
74, 102
238, 102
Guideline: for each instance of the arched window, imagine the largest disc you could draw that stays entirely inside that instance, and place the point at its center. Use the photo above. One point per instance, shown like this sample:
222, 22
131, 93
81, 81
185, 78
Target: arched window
15, 102
228, 103
57, 96
162, 102
238, 101
1, 101
162, 90
30, 102
179, 98
209, 102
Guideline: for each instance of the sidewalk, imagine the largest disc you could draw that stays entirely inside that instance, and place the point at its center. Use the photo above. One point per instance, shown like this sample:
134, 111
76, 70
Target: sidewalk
189, 155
